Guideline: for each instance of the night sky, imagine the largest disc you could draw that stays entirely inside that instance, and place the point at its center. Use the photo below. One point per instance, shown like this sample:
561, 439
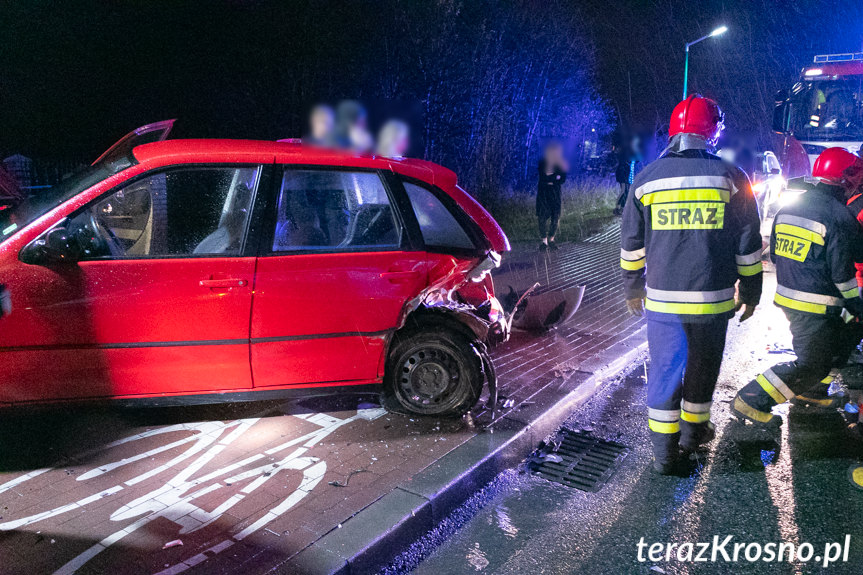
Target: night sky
75, 77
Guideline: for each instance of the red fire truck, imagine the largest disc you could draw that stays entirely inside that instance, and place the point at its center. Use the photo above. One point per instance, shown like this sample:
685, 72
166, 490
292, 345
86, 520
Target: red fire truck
823, 109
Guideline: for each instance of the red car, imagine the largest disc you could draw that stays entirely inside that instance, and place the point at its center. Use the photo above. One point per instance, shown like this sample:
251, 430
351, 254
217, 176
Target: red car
188, 268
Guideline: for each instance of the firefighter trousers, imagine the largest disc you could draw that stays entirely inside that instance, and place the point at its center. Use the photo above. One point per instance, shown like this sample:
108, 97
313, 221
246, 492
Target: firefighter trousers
684, 366
815, 339
852, 334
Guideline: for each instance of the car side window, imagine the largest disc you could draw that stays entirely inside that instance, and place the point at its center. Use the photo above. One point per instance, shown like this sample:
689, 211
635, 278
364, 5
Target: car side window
178, 212
330, 209
438, 226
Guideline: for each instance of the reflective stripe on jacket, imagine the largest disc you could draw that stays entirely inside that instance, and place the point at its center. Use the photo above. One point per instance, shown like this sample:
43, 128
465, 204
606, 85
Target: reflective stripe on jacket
690, 231
813, 245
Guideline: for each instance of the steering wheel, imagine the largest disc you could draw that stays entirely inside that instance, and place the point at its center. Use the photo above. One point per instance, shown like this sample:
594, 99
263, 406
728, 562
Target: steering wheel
96, 239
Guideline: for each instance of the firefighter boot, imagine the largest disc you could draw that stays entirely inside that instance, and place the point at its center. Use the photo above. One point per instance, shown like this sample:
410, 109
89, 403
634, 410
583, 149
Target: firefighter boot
742, 410
694, 435
666, 451
754, 402
753, 405
819, 396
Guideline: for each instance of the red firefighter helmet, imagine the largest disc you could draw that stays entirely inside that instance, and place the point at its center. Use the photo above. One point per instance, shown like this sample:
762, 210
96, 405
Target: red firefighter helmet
697, 115
839, 167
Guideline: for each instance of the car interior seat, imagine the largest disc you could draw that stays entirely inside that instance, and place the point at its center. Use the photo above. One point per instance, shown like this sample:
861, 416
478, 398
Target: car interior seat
227, 237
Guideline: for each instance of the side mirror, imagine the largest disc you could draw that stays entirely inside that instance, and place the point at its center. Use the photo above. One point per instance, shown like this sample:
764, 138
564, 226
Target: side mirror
782, 112
782, 117
56, 246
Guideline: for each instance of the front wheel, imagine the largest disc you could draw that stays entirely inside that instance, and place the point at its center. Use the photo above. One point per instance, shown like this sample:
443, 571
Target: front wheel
433, 372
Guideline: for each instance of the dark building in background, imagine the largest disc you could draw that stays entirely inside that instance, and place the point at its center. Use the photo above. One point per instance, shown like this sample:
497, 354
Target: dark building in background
34, 175
21, 168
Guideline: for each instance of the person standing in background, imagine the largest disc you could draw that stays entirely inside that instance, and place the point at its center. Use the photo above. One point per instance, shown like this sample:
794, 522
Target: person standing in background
552, 175
627, 156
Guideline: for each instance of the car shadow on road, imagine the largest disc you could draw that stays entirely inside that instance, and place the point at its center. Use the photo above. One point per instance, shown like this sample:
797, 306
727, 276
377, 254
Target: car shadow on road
52, 436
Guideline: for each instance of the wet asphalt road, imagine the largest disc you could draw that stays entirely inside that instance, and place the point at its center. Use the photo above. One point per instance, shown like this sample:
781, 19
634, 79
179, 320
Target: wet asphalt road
758, 487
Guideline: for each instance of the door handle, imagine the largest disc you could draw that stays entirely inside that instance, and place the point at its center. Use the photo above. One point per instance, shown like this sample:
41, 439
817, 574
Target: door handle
400, 276
222, 283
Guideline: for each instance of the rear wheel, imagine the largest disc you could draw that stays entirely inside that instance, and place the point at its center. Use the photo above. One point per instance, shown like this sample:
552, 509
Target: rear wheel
433, 372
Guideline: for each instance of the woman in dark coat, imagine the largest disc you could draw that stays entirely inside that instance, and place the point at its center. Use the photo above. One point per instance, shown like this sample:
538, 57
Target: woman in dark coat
627, 157
552, 174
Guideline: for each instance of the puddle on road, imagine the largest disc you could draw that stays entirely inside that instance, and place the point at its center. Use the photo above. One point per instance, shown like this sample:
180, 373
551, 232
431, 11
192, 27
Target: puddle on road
477, 558
504, 522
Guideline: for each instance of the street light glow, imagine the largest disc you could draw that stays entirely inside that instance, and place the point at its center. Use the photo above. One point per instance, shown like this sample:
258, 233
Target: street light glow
716, 32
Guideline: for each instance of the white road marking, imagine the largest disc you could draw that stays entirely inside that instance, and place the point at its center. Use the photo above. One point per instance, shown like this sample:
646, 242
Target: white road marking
173, 500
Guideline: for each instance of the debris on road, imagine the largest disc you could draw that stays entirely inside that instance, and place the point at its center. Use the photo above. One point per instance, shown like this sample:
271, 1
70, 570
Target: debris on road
564, 369
545, 310
174, 543
347, 479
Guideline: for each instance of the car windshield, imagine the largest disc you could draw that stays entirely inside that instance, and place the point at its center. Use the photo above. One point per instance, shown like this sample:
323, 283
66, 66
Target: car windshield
37, 203
828, 110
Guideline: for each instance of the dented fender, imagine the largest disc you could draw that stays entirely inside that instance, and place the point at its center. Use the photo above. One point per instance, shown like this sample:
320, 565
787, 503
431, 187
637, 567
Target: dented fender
463, 290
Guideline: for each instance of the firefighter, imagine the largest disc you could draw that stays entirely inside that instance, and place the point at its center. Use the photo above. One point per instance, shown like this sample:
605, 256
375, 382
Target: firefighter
853, 183
813, 245
690, 231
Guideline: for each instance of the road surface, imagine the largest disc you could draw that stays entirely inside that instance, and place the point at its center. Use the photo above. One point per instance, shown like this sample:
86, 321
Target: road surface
756, 487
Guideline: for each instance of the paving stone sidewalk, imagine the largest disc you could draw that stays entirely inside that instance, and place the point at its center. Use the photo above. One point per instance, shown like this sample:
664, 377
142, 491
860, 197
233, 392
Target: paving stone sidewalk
251, 488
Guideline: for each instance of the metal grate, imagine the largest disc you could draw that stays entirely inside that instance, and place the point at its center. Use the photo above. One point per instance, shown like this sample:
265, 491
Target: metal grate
585, 462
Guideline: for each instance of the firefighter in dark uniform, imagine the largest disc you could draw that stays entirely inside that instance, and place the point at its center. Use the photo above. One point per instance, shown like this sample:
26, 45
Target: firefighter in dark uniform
852, 181
814, 244
690, 231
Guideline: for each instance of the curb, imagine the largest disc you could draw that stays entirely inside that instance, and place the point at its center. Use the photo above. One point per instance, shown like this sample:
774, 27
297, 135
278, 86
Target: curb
370, 539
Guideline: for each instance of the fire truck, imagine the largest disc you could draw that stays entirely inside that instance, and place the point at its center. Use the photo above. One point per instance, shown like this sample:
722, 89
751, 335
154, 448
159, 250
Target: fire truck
823, 109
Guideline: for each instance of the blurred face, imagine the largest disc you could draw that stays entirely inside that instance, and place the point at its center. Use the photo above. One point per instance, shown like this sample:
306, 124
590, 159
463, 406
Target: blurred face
553, 153
322, 123
361, 139
401, 145
854, 178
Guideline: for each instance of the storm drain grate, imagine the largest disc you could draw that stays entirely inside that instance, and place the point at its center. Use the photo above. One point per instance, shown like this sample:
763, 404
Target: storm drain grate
578, 459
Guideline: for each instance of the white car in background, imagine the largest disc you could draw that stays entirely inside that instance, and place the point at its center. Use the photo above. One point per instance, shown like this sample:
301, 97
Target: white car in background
768, 184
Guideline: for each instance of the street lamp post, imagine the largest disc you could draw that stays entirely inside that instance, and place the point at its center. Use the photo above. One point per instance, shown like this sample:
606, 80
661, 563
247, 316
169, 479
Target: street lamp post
717, 32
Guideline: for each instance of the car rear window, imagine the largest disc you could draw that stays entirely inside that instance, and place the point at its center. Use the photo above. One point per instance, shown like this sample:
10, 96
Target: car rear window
439, 227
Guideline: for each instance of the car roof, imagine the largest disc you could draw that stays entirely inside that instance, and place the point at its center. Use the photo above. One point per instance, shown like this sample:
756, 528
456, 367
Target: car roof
167, 152
263, 151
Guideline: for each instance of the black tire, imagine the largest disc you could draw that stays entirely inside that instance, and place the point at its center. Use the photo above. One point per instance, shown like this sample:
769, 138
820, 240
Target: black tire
434, 371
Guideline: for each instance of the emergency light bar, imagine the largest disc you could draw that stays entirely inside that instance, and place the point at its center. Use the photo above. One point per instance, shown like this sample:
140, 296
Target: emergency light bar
853, 57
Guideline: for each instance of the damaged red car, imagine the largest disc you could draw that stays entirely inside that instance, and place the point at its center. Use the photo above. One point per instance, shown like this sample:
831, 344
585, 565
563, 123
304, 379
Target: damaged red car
221, 270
